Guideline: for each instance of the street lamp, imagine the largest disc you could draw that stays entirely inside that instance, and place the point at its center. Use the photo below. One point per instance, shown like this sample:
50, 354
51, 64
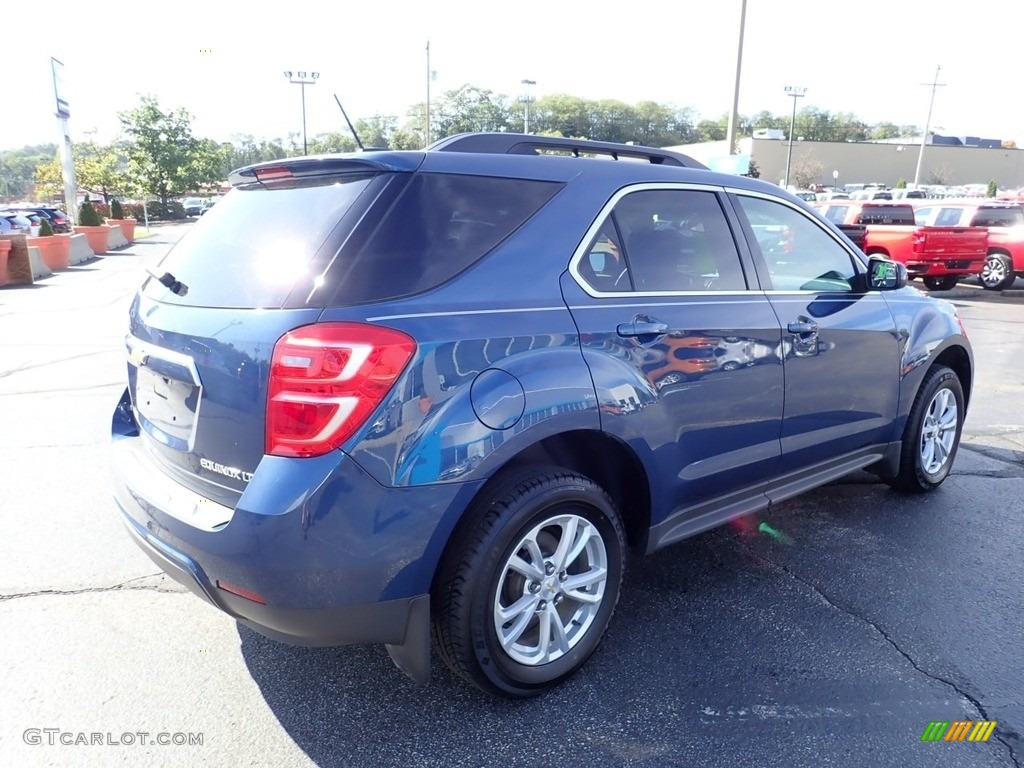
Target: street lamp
301, 80
526, 101
796, 92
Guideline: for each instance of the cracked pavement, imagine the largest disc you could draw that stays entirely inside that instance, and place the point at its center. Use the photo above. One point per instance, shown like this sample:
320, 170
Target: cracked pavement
834, 643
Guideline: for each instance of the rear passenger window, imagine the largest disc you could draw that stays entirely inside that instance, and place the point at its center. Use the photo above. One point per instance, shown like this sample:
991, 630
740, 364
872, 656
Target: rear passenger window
440, 226
664, 241
799, 254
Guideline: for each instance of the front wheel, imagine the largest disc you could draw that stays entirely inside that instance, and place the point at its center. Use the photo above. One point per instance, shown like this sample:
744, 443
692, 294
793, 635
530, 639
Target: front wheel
531, 582
944, 283
932, 434
997, 273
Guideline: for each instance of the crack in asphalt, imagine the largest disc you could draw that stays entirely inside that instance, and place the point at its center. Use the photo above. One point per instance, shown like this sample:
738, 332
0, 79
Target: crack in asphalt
46, 363
975, 702
129, 585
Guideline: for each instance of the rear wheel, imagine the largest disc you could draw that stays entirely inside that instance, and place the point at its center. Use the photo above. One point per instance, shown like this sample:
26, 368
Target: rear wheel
944, 283
932, 434
531, 583
997, 273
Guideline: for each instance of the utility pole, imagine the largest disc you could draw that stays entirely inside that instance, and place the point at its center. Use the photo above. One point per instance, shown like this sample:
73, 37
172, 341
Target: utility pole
734, 115
427, 126
796, 92
928, 120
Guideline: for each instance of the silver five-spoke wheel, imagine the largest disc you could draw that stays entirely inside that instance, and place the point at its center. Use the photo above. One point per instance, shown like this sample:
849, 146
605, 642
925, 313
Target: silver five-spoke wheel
550, 589
530, 582
938, 433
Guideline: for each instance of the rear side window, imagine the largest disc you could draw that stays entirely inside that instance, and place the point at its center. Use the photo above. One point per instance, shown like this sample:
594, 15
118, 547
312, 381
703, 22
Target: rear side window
998, 217
252, 247
948, 217
440, 226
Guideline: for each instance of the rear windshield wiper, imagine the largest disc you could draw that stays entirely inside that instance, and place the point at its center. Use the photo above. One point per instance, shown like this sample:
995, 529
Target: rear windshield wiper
170, 282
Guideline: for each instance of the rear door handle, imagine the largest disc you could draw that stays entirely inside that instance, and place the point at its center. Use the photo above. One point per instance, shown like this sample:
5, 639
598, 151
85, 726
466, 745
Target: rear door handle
642, 328
802, 327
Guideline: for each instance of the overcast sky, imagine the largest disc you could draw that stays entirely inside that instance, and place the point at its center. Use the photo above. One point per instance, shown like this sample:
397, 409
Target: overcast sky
223, 60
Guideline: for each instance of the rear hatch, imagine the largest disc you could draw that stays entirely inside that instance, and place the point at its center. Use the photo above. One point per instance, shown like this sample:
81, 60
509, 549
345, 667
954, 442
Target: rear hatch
963, 244
203, 334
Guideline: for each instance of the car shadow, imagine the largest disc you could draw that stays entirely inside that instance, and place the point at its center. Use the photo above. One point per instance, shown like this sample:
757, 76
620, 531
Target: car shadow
681, 638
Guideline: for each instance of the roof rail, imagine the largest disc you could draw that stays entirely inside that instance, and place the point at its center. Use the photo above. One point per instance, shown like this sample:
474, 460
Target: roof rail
529, 144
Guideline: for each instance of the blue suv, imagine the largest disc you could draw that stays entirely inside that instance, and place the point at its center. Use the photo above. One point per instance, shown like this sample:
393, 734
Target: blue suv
435, 398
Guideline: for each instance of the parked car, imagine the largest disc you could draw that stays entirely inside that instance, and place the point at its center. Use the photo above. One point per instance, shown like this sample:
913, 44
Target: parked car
59, 221
441, 408
193, 206
1004, 221
20, 224
940, 255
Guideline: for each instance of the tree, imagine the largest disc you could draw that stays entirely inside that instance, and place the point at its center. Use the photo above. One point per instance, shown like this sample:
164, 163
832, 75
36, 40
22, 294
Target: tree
993, 189
48, 179
805, 172
901, 184
100, 170
165, 158
472, 109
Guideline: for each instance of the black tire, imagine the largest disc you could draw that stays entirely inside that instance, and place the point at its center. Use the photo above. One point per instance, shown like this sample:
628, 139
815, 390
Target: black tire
997, 274
915, 473
477, 579
944, 283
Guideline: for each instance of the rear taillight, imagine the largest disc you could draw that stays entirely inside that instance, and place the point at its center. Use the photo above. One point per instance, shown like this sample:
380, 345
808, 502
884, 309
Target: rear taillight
917, 241
325, 381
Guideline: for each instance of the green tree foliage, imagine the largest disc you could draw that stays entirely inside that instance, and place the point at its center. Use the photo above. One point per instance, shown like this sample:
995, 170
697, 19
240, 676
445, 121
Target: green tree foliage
901, 184
993, 189
100, 170
116, 209
48, 179
45, 230
165, 158
18, 169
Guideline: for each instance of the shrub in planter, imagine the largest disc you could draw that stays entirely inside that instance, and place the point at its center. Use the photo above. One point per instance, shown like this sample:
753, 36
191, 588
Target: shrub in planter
53, 250
87, 215
116, 210
45, 230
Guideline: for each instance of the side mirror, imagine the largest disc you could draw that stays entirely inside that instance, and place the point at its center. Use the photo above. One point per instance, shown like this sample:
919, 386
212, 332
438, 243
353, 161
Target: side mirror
885, 275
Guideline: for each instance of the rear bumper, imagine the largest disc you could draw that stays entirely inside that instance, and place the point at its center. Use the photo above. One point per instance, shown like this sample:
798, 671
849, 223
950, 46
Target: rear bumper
381, 622
327, 555
945, 267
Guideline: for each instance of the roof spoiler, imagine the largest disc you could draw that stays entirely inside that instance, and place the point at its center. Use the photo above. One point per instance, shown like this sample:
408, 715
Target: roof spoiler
529, 144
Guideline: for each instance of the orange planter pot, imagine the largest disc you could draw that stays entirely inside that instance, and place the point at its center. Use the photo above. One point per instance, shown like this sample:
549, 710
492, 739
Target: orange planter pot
127, 227
98, 237
5, 250
54, 250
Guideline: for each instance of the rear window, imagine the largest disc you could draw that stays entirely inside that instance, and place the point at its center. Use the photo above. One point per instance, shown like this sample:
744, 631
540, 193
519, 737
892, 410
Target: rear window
440, 225
251, 248
886, 214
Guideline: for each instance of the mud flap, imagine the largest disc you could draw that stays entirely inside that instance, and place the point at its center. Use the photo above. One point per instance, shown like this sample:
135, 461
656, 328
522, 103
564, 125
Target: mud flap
413, 655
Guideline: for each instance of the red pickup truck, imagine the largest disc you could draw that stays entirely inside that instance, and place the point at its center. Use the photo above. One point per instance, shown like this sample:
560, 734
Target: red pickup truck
940, 256
1005, 224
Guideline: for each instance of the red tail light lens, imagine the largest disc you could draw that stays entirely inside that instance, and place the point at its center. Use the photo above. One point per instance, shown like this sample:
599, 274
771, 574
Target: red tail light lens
326, 380
917, 242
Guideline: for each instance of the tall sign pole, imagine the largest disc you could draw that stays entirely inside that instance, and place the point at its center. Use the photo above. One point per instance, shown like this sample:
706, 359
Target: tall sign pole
66, 156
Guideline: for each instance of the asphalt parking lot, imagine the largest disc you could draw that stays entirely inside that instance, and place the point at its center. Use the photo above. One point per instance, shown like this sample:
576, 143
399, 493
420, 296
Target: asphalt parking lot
829, 632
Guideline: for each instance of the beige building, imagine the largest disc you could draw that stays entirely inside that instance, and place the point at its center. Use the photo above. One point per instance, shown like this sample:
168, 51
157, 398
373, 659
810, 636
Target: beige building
814, 162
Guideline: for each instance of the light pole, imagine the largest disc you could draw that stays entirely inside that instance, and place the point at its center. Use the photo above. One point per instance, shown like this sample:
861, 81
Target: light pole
301, 80
526, 101
796, 92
